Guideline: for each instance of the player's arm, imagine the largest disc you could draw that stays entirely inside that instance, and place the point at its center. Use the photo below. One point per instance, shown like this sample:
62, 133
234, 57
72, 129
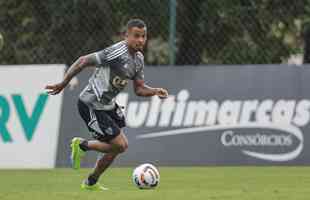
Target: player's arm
141, 89
80, 64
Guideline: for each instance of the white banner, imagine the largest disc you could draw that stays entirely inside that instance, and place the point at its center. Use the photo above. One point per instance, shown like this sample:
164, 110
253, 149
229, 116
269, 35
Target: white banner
29, 118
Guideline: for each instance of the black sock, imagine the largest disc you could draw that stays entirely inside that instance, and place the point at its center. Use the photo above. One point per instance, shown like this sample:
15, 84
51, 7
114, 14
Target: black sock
84, 145
91, 180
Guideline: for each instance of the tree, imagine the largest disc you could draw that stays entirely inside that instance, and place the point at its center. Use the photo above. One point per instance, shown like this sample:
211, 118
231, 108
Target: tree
190, 33
208, 32
239, 31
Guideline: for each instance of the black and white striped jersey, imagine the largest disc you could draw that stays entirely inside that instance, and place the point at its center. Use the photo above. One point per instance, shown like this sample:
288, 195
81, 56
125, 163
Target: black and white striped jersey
115, 67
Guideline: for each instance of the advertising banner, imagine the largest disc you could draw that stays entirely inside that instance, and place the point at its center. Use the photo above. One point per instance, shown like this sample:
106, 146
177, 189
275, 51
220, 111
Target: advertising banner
29, 118
215, 115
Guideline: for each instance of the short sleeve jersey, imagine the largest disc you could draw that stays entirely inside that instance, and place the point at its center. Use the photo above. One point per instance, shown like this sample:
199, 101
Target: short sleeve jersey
115, 67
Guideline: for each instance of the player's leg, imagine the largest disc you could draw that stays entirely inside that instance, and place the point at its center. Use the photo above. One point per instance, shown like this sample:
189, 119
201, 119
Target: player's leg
79, 146
96, 145
98, 122
121, 144
109, 122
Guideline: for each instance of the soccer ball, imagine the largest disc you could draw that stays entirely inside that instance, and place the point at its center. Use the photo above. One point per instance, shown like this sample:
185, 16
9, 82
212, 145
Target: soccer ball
145, 176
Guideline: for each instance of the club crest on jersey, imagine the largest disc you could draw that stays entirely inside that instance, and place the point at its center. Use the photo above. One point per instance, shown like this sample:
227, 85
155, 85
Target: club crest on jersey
118, 82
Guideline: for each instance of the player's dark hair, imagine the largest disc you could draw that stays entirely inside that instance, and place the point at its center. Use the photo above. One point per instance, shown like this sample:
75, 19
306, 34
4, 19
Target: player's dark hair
135, 23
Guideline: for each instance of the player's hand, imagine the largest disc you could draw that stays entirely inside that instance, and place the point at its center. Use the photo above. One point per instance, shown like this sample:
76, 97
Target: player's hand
161, 93
55, 89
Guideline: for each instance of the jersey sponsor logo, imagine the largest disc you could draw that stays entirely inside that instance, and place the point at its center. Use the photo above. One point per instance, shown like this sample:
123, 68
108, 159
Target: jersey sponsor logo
256, 127
119, 83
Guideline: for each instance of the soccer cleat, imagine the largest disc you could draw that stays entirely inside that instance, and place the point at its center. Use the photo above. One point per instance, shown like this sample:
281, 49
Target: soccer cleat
76, 152
95, 187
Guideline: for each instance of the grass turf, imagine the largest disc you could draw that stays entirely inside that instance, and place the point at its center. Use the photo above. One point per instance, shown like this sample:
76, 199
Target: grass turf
180, 183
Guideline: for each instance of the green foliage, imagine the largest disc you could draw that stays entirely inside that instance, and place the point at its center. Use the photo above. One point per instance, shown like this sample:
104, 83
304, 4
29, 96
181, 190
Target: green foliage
208, 32
247, 31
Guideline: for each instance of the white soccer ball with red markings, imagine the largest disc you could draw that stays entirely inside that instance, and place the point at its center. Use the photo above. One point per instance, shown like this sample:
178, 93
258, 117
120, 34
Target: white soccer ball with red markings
145, 176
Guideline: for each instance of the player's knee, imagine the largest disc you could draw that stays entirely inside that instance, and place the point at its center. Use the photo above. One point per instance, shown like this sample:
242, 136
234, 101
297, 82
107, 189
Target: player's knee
122, 147
120, 144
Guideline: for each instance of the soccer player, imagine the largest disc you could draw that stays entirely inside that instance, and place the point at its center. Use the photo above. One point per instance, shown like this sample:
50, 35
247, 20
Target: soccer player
115, 65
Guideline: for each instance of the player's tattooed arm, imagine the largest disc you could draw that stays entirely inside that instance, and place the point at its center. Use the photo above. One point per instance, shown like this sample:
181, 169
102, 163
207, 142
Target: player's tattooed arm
81, 63
141, 89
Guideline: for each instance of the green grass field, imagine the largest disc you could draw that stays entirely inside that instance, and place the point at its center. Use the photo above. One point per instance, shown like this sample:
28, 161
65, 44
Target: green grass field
201, 183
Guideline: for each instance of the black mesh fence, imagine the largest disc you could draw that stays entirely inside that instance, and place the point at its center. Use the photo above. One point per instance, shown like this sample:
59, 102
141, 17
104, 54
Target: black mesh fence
206, 31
